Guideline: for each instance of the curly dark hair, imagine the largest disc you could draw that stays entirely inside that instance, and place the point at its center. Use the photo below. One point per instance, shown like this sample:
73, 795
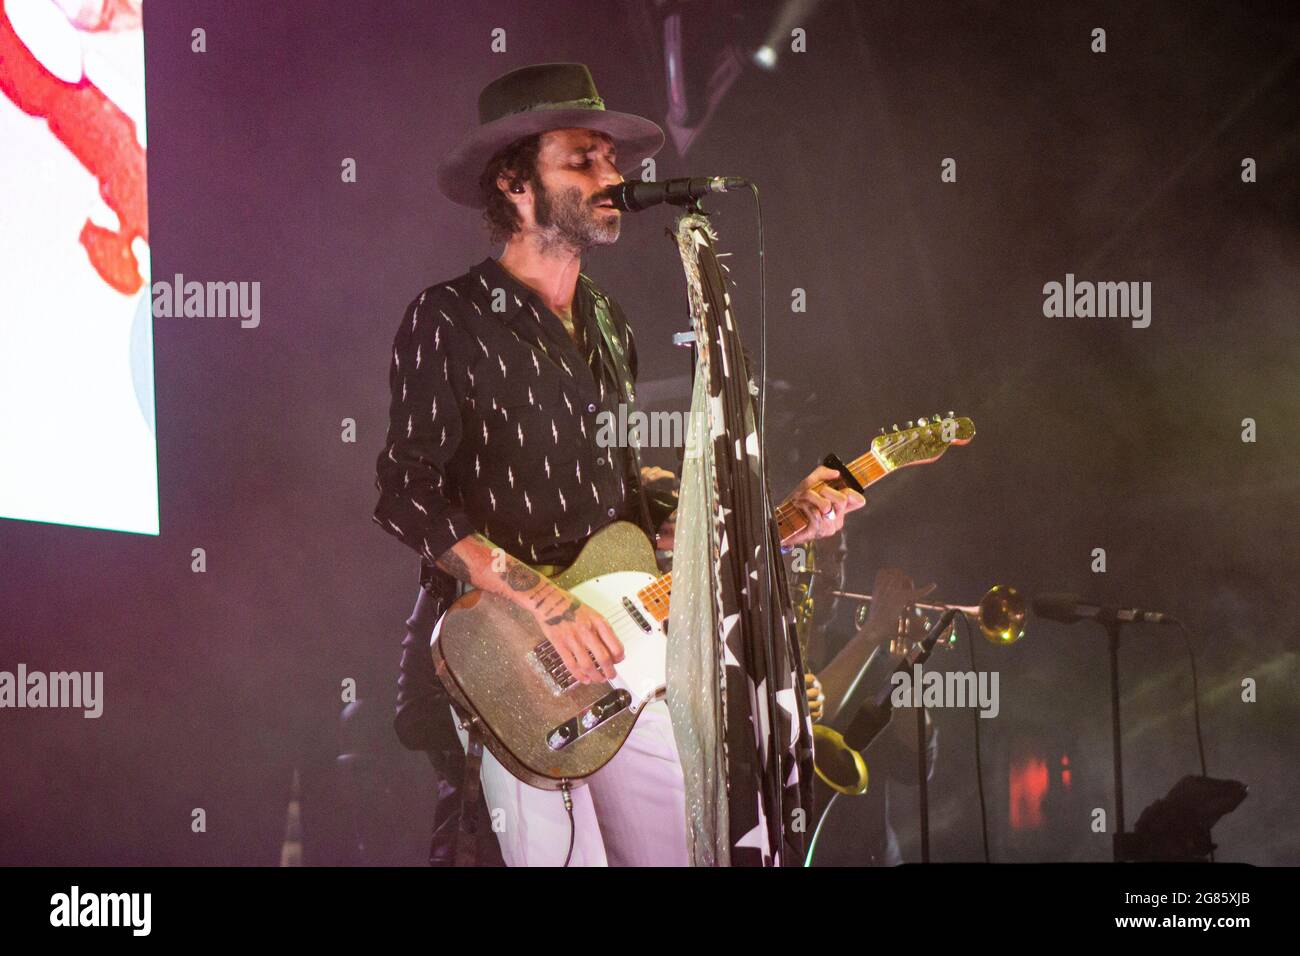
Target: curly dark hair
518, 162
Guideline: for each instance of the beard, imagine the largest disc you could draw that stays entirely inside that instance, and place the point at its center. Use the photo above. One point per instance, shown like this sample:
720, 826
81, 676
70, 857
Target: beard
567, 220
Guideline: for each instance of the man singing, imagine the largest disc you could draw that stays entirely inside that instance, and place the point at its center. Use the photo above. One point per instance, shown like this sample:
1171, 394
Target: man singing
492, 471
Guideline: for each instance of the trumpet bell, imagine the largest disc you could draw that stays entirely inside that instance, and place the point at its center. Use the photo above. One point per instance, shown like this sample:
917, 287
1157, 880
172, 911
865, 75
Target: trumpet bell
838, 765
1001, 615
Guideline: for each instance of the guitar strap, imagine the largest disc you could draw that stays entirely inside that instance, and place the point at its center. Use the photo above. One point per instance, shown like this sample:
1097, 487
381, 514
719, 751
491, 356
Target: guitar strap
615, 360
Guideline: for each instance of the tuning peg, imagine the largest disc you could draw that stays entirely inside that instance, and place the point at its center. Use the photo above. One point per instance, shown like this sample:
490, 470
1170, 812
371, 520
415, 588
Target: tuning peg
895, 426
922, 422
882, 429
952, 414
909, 424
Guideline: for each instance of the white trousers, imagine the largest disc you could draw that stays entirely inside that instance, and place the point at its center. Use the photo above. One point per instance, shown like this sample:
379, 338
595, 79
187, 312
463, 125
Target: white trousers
631, 812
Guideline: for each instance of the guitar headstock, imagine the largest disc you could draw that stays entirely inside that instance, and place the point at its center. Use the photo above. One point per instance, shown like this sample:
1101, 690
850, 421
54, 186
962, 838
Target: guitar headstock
922, 443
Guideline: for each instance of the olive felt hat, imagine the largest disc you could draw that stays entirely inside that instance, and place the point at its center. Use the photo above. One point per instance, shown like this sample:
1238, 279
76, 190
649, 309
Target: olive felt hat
532, 100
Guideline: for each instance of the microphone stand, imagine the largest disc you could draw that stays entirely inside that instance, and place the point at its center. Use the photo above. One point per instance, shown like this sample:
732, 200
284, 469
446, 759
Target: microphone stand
868, 723
923, 785
922, 750
1116, 746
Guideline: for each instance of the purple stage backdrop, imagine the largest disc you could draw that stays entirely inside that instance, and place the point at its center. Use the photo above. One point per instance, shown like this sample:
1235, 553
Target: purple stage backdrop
899, 285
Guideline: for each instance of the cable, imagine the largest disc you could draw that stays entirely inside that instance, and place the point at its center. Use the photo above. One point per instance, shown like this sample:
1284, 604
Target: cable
979, 762
573, 824
765, 497
762, 333
1196, 693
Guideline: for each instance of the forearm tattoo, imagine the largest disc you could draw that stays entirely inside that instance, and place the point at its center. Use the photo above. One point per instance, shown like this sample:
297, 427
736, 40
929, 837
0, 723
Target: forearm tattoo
455, 565
568, 615
521, 577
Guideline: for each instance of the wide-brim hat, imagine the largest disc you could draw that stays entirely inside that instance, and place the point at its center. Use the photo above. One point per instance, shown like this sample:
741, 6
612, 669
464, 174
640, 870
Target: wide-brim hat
536, 99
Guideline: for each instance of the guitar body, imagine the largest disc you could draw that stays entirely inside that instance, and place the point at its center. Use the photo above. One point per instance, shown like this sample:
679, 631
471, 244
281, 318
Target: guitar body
486, 650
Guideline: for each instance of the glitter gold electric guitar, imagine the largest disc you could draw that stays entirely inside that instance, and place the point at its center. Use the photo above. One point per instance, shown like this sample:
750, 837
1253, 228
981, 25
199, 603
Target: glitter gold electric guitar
544, 726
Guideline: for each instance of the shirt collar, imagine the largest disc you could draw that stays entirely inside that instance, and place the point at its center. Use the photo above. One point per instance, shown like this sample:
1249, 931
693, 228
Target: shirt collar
490, 274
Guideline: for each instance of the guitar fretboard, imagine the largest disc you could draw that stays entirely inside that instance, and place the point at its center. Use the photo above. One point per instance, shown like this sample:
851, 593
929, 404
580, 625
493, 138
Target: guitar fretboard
789, 521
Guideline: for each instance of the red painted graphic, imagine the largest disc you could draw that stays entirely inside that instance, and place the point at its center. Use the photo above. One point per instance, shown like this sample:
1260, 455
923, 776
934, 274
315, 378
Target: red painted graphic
97, 133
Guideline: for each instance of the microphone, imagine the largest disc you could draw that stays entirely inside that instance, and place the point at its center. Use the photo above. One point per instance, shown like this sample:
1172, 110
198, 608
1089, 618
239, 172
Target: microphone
1070, 608
635, 196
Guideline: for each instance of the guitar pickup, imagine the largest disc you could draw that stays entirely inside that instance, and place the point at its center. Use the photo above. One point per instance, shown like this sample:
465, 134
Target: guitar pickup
615, 702
635, 614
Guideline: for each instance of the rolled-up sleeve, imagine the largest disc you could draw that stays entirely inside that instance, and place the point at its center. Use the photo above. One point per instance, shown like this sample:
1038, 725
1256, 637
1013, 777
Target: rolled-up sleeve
428, 383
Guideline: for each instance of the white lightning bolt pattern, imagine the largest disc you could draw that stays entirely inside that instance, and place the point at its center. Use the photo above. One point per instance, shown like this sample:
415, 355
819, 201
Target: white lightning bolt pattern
433, 412
502, 363
555, 434
510, 475
594, 493
563, 505
419, 507
528, 504
577, 467
569, 403
485, 433
493, 499
443, 440
537, 368
417, 356
410, 425
403, 388
437, 339
519, 428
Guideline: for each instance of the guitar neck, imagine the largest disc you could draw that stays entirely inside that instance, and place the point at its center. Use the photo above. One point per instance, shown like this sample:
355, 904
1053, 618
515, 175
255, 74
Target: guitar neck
789, 522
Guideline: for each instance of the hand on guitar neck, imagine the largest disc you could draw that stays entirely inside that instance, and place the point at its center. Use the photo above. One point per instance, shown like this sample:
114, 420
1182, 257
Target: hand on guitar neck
815, 509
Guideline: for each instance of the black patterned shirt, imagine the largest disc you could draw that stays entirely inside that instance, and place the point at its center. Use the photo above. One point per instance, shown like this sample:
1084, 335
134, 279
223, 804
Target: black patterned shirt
493, 423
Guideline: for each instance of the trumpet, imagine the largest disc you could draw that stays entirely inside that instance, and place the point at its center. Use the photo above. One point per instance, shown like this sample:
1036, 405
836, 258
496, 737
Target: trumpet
1000, 613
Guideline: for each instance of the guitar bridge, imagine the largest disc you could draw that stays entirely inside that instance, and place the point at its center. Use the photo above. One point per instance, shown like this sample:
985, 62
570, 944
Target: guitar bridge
545, 661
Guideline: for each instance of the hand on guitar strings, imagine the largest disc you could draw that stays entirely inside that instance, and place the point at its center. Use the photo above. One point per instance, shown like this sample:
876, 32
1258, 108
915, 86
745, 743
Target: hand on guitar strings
580, 634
